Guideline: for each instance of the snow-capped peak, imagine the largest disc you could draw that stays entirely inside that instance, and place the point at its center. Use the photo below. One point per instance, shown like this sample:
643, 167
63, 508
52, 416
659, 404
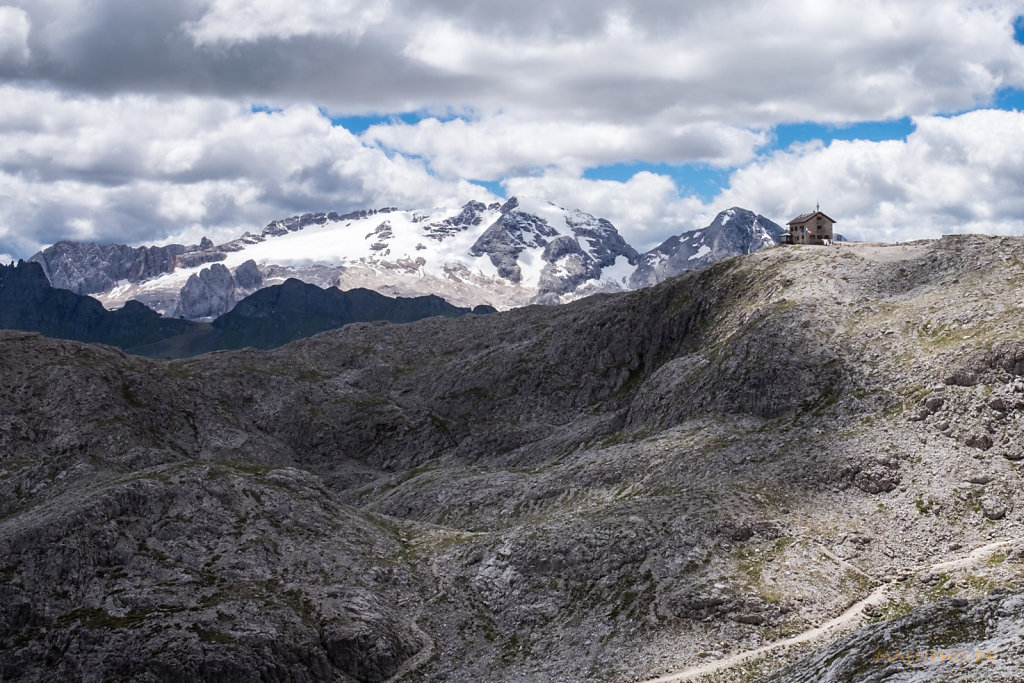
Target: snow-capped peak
524, 250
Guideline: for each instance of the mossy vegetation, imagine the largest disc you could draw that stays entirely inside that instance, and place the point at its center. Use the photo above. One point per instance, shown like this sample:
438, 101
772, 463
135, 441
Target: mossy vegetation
893, 609
925, 507
753, 557
213, 636
246, 468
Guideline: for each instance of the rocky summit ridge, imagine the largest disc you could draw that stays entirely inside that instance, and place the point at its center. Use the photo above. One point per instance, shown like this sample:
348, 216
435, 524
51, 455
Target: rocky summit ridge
734, 231
268, 318
687, 480
505, 255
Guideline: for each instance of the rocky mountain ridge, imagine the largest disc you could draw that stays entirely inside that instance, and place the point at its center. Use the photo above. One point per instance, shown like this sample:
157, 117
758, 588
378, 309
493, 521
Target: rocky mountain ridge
28, 302
734, 231
270, 317
523, 251
620, 488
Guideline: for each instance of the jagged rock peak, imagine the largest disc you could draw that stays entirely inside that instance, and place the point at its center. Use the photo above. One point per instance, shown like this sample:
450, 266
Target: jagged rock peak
248, 276
87, 267
215, 290
471, 215
733, 231
511, 234
296, 223
510, 204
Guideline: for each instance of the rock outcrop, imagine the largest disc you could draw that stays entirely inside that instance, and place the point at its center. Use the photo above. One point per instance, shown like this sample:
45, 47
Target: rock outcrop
89, 268
215, 290
506, 238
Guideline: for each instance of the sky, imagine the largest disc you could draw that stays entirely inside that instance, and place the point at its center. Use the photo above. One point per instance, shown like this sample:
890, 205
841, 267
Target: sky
167, 120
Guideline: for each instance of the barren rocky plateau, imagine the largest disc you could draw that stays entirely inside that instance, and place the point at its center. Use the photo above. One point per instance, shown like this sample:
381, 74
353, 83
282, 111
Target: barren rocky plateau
627, 487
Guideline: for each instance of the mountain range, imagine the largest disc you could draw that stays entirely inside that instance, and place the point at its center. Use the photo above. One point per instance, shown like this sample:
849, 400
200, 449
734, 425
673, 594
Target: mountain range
795, 465
504, 255
268, 318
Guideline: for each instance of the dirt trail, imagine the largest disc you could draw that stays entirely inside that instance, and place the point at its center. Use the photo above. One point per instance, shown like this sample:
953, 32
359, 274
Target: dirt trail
854, 613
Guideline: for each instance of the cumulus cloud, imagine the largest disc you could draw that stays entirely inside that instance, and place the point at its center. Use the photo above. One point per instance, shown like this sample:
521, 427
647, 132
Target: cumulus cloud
227, 22
14, 30
951, 175
741, 62
499, 146
140, 168
954, 174
135, 138
645, 209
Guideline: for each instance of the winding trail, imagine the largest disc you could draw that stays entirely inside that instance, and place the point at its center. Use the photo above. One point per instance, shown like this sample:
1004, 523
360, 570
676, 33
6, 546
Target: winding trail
853, 613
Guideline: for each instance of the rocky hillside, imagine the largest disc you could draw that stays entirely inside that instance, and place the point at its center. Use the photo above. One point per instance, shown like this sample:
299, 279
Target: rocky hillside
693, 477
276, 315
88, 268
505, 255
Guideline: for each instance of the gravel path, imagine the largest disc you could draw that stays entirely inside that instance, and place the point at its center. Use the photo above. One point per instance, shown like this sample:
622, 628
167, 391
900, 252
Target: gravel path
854, 613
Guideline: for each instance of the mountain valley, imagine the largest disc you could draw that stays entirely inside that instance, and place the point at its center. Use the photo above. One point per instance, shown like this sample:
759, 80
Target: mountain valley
618, 488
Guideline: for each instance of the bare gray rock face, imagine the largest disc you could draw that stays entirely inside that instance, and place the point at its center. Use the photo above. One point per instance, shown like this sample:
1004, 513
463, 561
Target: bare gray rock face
952, 640
508, 236
248, 276
622, 487
569, 264
570, 260
471, 215
604, 242
196, 258
208, 294
215, 290
734, 231
88, 268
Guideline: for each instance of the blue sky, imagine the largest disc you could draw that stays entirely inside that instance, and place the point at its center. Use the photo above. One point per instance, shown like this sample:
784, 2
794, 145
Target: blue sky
222, 116
703, 180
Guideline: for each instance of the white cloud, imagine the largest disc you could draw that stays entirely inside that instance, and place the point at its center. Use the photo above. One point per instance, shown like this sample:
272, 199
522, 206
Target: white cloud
498, 146
158, 137
742, 63
139, 168
645, 209
14, 31
228, 22
952, 175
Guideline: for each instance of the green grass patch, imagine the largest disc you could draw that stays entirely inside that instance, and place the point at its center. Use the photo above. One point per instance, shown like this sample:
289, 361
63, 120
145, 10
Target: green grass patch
252, 469
923, 506
213, 636
996, 559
